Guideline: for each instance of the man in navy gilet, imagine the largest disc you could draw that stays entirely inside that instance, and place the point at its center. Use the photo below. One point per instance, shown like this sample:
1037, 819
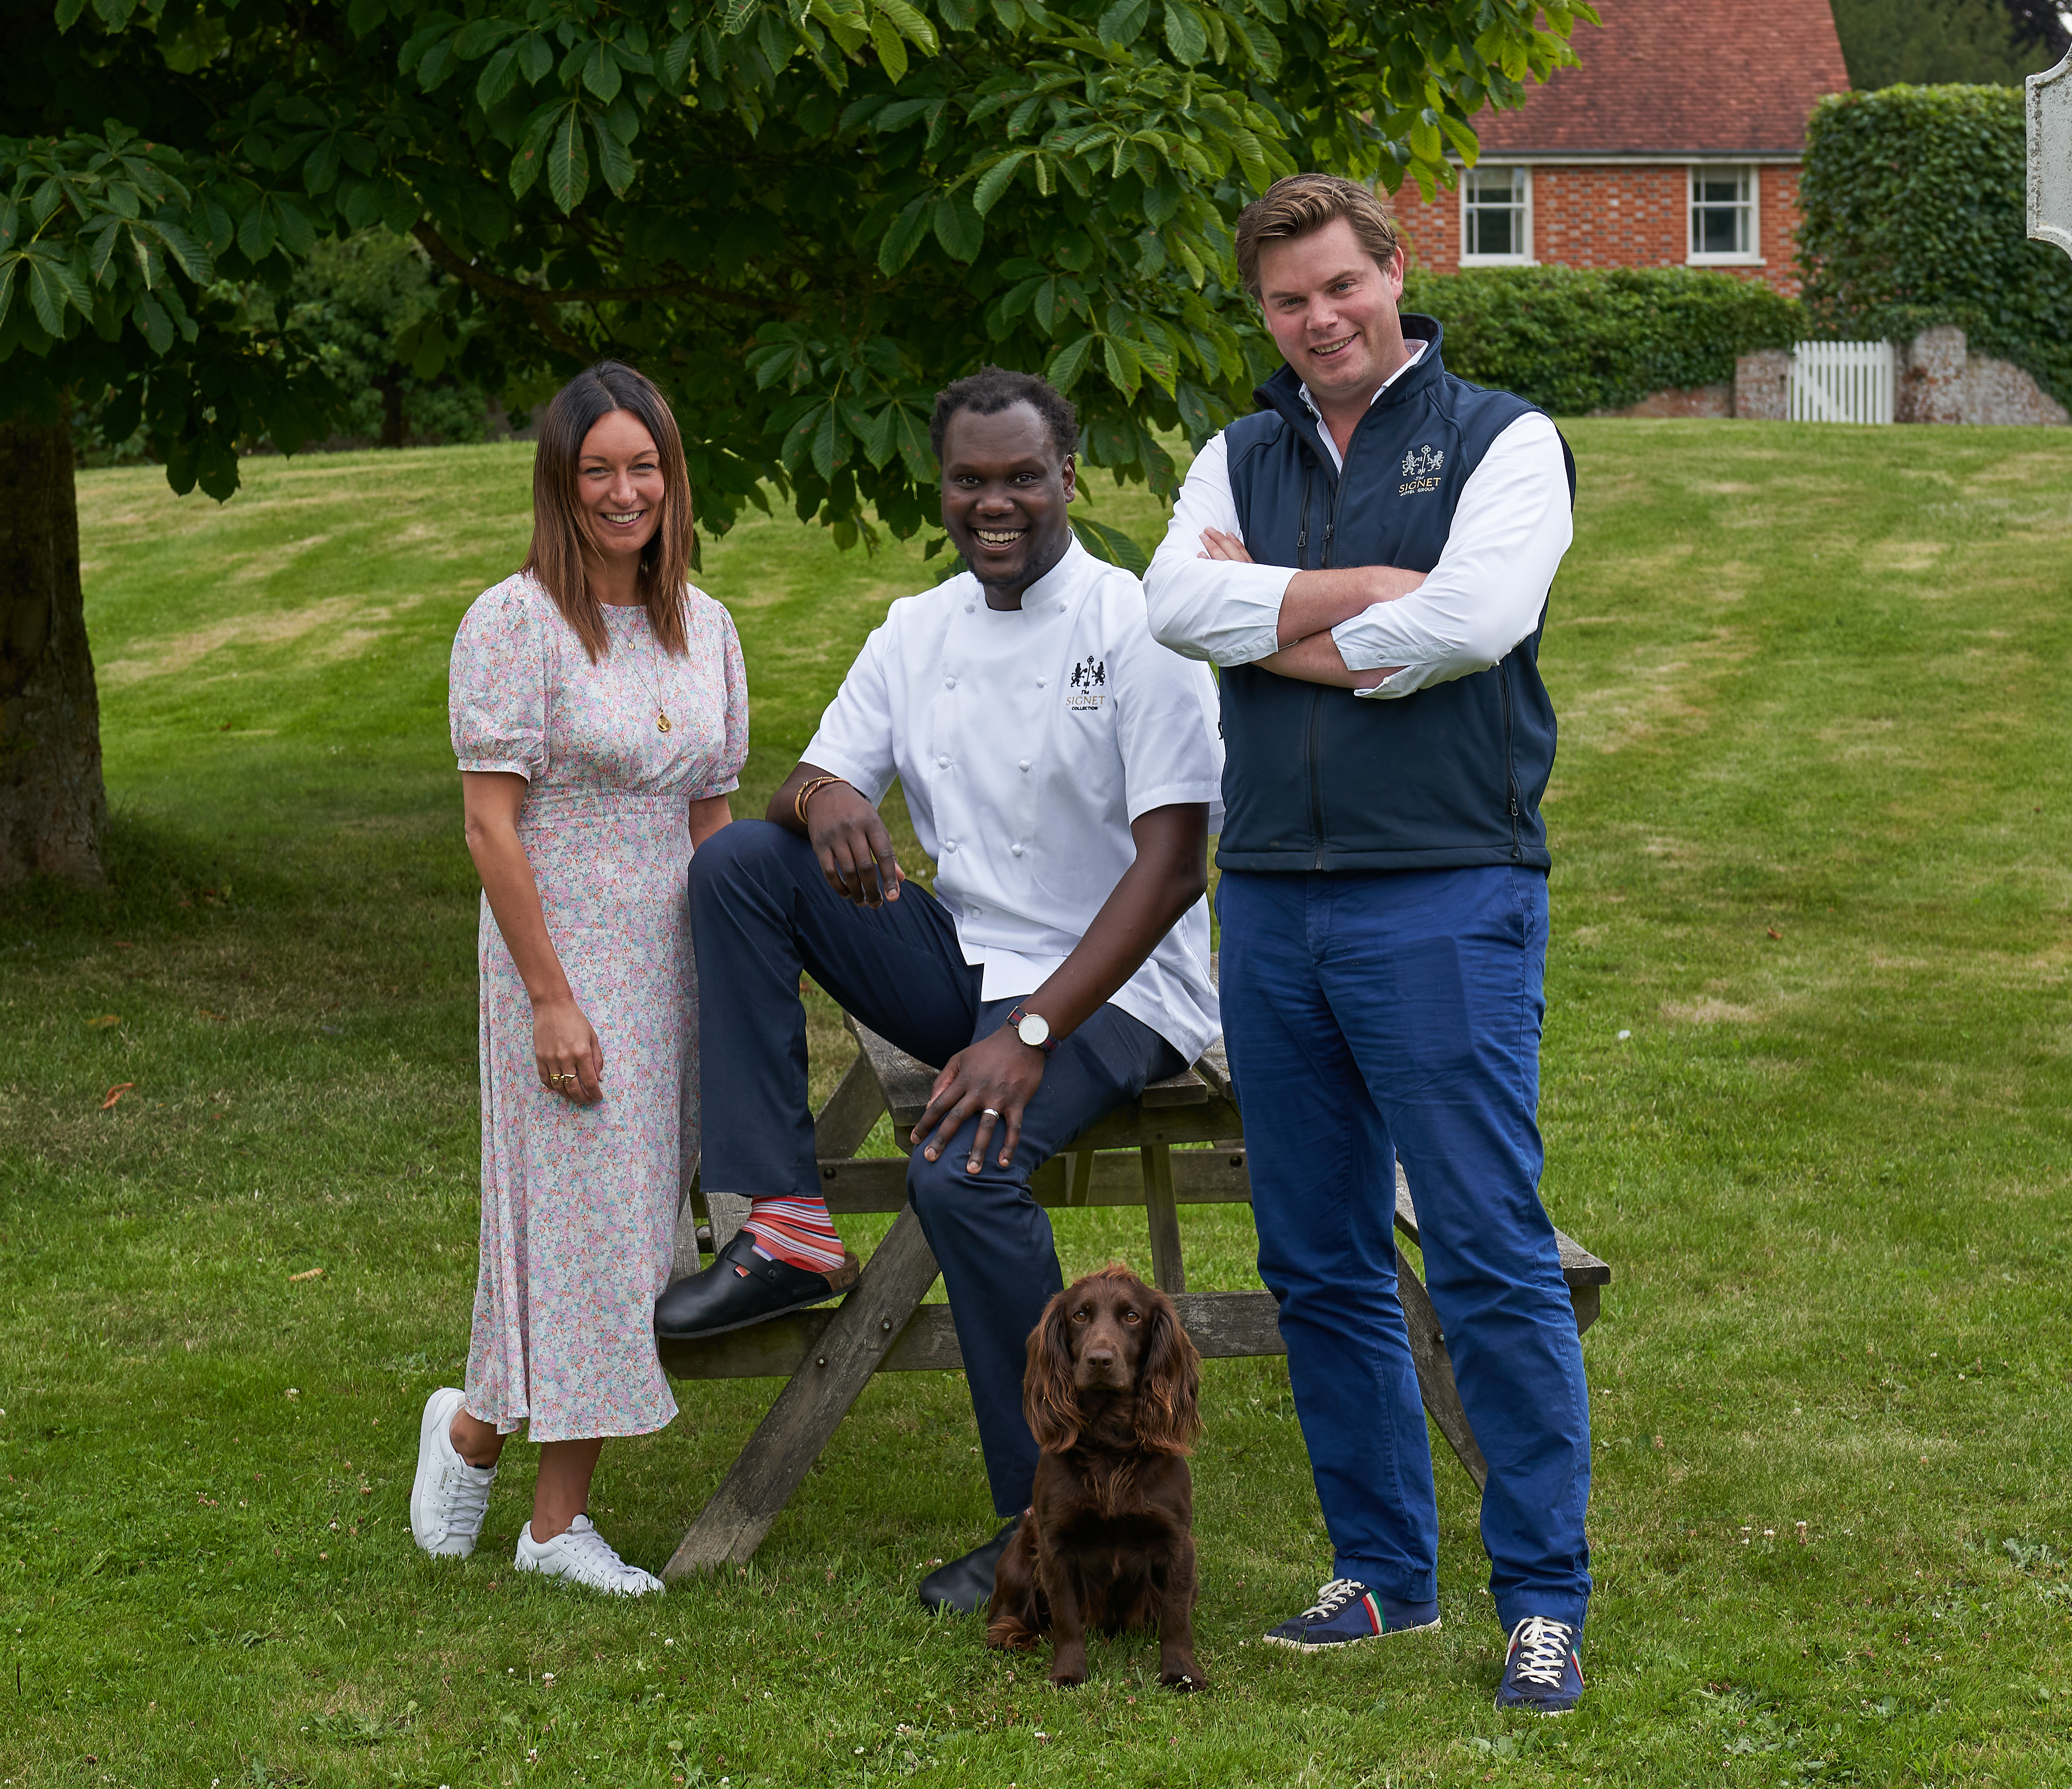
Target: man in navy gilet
1366, 560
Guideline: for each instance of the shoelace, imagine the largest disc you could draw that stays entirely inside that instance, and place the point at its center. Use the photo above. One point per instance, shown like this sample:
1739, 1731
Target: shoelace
466, 1498
1333, 1597
597, 1553
1542, 1651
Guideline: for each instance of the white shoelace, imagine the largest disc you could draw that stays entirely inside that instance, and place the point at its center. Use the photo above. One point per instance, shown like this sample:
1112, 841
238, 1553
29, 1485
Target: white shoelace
596, 1558
1542, 1648
1333, 1597
464, 1496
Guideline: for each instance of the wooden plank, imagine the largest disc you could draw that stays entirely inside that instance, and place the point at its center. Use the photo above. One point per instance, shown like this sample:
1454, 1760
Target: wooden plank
852, 1110
815, 1399
1186, 1088
1435, 1374
1215, 1070
1131, 1127
1200, 1177
1224, 1325
1168, 1271
904, 1081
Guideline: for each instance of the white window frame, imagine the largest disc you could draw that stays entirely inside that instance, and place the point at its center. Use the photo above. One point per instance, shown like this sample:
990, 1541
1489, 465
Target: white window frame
1749, 257
1521, 177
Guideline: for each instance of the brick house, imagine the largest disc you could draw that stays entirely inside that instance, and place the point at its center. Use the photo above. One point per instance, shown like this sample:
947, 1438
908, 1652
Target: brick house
1676, 143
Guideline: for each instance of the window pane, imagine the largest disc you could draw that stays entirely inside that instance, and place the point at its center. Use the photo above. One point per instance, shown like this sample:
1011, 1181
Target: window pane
1719, 190
1489, 230
1718, 232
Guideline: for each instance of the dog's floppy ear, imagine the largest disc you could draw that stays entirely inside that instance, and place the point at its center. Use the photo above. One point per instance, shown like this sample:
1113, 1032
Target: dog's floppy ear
1050, 1401
1169, 1413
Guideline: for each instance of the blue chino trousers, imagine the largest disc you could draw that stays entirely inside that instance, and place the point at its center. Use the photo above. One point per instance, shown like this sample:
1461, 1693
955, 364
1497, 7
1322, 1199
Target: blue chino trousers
762, 913
1370, 1014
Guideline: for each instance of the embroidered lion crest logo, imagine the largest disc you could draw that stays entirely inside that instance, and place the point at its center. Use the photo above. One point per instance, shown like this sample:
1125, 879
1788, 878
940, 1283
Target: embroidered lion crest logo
1424, 463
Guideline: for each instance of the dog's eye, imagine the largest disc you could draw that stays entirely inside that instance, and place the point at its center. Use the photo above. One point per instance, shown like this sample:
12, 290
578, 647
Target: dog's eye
1130, 1317
1081, 1316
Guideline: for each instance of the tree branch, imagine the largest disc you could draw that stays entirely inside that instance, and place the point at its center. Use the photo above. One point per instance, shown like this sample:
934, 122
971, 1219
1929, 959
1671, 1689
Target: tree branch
538, 300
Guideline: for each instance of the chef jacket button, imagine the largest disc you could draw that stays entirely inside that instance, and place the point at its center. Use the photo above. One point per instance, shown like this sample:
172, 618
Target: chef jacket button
942, 758
1025, 764
969, 607
1016, 849
949, 844
949, 682
1043, 682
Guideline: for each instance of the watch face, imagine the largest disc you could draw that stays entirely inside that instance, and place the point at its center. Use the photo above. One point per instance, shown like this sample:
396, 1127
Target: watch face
1033, 1029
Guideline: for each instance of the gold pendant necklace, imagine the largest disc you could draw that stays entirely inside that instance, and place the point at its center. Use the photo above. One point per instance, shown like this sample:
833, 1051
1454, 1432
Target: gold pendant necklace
661, 714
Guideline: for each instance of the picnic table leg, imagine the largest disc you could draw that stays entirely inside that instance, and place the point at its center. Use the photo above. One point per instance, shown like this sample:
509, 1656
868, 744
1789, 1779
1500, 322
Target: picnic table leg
811, 1405
1435, 1373
1168, 1272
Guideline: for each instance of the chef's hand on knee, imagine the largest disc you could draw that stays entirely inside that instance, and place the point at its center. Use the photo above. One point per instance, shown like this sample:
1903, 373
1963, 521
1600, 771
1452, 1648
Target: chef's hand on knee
993, 1080
855, 851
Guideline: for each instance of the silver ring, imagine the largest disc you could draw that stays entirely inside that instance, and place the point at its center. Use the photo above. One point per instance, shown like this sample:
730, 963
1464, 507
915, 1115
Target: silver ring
987, 1112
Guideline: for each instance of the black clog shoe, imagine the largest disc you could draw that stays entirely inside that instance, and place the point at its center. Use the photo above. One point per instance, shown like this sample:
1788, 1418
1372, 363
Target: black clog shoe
721, 1298
965, 1585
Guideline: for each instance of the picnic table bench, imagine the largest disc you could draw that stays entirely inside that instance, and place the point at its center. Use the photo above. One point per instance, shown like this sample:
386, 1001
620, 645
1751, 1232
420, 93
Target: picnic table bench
1137, 1155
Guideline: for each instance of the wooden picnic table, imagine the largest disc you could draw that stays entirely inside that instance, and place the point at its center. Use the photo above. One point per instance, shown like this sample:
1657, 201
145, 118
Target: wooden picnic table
1180, 1143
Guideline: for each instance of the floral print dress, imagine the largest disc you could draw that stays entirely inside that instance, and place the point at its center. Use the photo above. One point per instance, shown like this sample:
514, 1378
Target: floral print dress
579, 1204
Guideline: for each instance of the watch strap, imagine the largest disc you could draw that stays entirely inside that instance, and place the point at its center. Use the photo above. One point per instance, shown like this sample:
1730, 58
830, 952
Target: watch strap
1048, 1046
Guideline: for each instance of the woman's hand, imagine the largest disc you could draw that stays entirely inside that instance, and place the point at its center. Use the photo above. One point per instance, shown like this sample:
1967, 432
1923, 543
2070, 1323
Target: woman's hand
995, 1078
571, 1059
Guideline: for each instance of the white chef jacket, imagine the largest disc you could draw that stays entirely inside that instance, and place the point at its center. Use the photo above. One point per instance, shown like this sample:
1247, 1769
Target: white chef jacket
1026, 742
1485, 595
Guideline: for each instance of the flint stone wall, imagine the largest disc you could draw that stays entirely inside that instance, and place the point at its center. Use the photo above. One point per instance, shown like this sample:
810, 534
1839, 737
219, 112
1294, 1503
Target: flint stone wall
1939, 380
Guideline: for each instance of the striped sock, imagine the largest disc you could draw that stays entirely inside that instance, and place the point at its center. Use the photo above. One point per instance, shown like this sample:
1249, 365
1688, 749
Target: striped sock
798, 1231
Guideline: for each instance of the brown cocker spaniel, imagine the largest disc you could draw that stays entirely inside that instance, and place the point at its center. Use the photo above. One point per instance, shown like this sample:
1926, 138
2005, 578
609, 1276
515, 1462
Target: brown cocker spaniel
1112, 1393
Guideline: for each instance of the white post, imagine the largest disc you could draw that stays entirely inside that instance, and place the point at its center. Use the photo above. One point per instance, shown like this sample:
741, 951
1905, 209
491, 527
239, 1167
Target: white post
2050, 154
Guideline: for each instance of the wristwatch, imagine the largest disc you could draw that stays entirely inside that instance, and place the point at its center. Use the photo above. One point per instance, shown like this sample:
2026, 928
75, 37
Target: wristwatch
1033, 1028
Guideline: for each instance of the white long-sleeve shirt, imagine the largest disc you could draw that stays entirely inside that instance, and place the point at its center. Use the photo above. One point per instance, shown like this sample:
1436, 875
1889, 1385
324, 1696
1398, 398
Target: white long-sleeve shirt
1485, 594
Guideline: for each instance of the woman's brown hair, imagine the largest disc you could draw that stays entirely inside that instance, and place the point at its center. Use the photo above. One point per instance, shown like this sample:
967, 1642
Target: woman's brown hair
561, 524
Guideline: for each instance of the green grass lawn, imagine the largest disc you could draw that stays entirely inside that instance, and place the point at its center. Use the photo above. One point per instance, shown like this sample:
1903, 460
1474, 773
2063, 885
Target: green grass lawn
1805, 1087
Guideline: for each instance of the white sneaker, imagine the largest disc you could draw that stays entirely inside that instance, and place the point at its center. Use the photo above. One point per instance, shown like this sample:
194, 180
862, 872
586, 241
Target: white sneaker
583, 1556
448, 1497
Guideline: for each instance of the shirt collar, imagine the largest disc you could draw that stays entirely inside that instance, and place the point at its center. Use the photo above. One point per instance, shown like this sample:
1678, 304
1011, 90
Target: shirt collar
1415, 344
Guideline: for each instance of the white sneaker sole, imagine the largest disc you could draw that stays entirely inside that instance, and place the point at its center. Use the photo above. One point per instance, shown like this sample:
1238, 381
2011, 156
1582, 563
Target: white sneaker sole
1339, 1646
647, 1585
440, 1409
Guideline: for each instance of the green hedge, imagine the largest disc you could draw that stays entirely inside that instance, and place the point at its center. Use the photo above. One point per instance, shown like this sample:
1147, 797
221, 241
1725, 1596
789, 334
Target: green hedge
1577, 339
1913, 205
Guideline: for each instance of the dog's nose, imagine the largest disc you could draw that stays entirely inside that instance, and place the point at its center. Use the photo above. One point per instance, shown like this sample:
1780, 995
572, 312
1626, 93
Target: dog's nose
1100, 1357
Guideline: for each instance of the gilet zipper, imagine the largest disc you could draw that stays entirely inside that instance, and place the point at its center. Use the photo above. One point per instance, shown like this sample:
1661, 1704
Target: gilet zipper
1510, 767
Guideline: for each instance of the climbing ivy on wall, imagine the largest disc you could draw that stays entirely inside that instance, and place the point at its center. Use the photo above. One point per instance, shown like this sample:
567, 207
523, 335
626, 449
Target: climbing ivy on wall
1912, 201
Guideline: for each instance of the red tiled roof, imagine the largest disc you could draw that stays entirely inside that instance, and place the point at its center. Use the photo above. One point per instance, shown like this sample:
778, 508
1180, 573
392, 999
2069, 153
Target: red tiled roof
1681, 77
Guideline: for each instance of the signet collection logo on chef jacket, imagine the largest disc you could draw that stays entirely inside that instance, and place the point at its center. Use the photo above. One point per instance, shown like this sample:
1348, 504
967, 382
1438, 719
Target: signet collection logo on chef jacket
1087, 683
1421, 466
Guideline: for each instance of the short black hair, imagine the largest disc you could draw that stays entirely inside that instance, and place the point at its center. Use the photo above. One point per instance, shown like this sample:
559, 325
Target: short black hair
991, 389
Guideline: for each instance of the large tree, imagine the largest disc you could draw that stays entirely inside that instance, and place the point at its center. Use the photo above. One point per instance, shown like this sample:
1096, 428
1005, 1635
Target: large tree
802, 215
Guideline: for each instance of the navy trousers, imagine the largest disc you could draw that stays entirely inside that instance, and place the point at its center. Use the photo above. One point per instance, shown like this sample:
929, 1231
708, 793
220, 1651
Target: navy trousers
1370, 1014
762, 912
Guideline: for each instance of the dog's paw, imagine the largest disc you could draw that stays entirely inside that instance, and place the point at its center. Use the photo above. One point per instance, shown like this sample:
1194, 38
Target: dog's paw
1185, 1678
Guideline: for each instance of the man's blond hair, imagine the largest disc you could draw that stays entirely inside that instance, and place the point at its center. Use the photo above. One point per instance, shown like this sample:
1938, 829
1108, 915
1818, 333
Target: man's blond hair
1303, 204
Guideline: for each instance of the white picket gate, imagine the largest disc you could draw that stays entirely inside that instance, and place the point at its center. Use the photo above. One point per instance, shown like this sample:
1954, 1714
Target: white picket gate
1841, 382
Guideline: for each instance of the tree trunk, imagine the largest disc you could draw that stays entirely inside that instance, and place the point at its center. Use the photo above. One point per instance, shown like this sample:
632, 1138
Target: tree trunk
52, 802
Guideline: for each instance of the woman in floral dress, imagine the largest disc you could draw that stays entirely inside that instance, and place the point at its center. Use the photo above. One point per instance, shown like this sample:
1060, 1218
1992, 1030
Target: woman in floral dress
600, 716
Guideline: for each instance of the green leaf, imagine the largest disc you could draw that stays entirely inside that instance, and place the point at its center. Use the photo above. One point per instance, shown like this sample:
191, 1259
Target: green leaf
536, 57
676, 60
915, 454
1186, 35
257, 229
478, 36
614, 160
904, 237
497, 79
1124, 22
153, 323
1111, 544
993, 181
738, 16
891, 49
1070, 361
191, 256
913, 25
567, 162
958, 227
601, 72
825, 437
